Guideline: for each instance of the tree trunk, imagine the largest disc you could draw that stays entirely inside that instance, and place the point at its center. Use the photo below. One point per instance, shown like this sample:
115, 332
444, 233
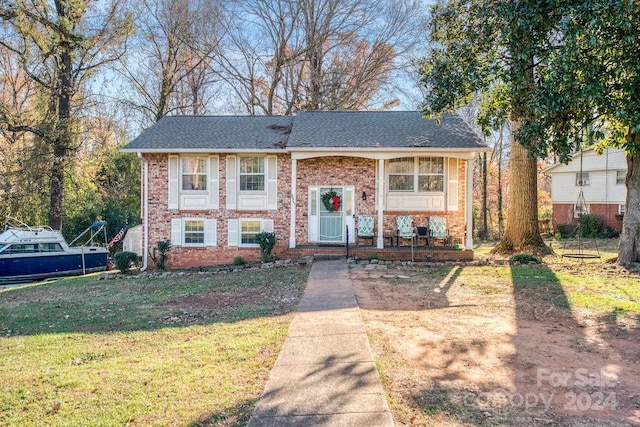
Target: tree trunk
629, 249
522, 233
485, 224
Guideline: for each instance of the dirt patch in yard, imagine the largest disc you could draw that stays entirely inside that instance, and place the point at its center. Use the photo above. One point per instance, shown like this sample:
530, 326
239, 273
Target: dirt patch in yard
458, 345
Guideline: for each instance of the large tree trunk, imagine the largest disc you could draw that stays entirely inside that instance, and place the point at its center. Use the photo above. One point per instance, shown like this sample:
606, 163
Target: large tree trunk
629, 250
522, 233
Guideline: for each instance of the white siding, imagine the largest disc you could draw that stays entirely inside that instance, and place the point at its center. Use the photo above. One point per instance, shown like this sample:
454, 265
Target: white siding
602, 186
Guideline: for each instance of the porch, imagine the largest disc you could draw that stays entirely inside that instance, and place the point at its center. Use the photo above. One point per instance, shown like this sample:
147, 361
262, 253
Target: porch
388, 253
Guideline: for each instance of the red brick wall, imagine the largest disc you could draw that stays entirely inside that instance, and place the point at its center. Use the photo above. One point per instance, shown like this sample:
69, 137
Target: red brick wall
328, 171
563, 214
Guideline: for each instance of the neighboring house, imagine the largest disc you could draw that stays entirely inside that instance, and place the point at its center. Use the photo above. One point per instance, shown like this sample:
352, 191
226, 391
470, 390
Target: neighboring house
602, 184
211, 183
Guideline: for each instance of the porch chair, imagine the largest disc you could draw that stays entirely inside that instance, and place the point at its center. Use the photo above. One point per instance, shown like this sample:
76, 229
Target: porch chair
438, 230
404, 229
365, 229
422, 233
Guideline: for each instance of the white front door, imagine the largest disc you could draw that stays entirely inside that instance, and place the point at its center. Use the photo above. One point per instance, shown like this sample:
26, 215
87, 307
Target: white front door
331, 211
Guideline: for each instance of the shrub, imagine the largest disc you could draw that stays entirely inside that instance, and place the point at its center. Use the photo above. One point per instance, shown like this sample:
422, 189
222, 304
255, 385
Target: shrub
372, 256
267, 241
523, 258
609, 232
239, 260
566, 230
589, 225
163, 249
124, 261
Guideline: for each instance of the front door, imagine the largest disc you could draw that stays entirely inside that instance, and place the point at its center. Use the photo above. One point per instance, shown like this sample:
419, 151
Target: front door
331, 214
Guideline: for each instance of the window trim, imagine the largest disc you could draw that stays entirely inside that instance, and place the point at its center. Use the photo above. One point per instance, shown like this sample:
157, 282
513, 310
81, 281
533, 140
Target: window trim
587, 210
263, 174
624, 177
240, 232
184, 232
181, 174
416, 175
621, 208
580, 176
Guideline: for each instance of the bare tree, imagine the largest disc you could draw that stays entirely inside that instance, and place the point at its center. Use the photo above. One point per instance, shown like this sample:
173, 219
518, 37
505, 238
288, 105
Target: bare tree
281, 56
169, 68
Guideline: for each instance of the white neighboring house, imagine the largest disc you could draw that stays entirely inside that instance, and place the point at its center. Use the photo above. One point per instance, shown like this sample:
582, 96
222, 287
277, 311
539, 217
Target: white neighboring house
132, 241
602, 184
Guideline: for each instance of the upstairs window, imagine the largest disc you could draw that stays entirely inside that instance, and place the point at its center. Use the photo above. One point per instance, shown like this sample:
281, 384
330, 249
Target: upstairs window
582, 178
194, 173
251, 174
421, 174
620, 177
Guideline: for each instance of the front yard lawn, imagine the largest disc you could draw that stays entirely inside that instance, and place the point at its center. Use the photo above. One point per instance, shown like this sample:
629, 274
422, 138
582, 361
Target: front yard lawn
191, 349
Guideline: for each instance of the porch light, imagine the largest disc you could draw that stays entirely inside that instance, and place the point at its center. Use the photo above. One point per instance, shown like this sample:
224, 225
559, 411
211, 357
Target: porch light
364, 195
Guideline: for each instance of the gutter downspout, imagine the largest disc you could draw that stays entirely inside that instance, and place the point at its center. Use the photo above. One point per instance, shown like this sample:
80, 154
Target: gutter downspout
145, 218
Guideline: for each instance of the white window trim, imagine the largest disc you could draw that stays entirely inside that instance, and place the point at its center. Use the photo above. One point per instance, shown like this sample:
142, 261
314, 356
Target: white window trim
240, 221
416, 176
580, 176
207, 174
184, 233
587, 209
621, 209
264, 175
624, 173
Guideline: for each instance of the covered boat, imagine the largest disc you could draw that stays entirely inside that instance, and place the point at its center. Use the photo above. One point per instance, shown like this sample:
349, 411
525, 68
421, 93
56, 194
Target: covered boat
36, 253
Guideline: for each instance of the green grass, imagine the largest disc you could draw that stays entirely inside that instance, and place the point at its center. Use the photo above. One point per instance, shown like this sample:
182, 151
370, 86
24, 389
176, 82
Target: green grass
190, 350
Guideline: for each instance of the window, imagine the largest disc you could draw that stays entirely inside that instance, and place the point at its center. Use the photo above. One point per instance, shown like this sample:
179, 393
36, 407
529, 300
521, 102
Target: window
620, 177
194, 173
621, 209
401, 174
430, 174
194, 232
251, 173
582, 179
248, 231
50, 247
426, 174
579, 210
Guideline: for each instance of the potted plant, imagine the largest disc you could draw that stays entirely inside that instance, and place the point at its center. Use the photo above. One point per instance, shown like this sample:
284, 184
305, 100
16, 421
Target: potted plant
331, 200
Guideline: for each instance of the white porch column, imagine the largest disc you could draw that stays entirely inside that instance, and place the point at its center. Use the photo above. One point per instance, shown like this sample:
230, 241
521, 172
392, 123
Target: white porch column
293, 196
380, 202
468, 206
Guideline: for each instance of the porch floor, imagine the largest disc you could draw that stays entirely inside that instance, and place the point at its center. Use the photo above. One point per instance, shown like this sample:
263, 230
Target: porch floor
388, 253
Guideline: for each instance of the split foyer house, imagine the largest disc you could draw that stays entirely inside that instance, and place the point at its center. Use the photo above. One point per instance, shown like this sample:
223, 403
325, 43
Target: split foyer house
211, 183
601, 178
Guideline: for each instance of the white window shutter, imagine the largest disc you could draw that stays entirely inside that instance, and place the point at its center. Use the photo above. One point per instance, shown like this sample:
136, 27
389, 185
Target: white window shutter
173, 182
214, 182
231, 182
176, 232
452, 186
233, 232
272, 182
210, 232
267, 225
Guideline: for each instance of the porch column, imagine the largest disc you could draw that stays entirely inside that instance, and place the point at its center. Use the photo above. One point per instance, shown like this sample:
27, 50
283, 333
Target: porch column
292, 200
380, 201
468, 206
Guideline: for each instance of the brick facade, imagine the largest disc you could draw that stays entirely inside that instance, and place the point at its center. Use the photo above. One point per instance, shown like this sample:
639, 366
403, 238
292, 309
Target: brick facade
608, 213
322, 171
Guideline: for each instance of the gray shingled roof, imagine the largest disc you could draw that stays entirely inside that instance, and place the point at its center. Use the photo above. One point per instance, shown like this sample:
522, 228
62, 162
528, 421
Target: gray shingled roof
388, 129
215, 132
308, 130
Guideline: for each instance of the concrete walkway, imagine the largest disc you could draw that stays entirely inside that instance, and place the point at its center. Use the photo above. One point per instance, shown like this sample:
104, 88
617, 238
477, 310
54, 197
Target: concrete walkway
325, 374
